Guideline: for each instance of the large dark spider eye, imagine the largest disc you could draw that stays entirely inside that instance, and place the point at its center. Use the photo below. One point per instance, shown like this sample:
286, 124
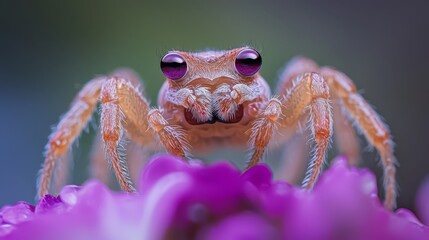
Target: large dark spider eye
173, 66
248, 62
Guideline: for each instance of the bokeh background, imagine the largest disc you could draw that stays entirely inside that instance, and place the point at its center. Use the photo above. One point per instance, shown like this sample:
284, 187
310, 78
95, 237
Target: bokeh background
49, 49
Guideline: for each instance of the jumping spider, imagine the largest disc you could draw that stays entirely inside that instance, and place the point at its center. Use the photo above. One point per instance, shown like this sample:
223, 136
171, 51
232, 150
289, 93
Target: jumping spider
218, 98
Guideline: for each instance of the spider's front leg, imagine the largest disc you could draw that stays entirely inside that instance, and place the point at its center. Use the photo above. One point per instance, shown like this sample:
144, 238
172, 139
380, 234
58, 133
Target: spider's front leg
136, 150
309, 91
124, 108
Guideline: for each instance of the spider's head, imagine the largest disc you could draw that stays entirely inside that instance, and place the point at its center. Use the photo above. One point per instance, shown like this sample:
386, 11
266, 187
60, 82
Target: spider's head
212, 85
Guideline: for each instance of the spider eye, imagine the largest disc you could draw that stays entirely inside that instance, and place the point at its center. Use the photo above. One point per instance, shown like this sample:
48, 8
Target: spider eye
173, 66
248, 62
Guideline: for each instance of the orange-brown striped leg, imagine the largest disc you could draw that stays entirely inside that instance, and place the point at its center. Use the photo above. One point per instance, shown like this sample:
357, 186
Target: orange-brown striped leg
262, 130
309, 91
68, 130
295, 153
172, 137
371, 125
123, 108
99, 165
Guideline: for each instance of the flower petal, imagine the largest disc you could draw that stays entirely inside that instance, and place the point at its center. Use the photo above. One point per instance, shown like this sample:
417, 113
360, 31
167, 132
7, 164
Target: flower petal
422, 201
246, 225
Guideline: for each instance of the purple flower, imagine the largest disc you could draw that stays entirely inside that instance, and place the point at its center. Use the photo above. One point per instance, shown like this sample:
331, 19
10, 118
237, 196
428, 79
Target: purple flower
179, 200
423, 201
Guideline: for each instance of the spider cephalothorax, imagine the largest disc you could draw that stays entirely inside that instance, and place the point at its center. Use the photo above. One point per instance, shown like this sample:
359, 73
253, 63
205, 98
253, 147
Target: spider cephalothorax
218, 98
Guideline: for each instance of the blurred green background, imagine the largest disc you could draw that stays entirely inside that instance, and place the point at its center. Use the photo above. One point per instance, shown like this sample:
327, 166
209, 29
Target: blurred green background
49, 49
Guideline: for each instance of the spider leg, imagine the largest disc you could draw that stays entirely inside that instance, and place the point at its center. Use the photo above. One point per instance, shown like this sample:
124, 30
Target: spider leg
371, 125
308, 92
68, 130
297, 66
345, 135
294, 154
172, 137
124, 109
99, 166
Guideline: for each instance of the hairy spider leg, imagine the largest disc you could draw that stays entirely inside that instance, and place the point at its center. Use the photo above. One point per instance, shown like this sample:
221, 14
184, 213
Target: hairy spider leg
309, 91
367, 120
345, 135
125, 109
99, 165
67, 130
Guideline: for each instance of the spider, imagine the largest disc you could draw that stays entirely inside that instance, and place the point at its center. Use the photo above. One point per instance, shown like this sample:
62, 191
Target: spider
218, 98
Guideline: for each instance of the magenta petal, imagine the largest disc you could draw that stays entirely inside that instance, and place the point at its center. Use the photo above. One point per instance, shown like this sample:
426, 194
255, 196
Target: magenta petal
403, 224
161, 203
5, 229
158, 167
90, 218
69, 194
422, 201
343, 192
409, 216
218, 187
50, 203
180, 200
259, 175
247, 225
302, 214
278, 200
17, 213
